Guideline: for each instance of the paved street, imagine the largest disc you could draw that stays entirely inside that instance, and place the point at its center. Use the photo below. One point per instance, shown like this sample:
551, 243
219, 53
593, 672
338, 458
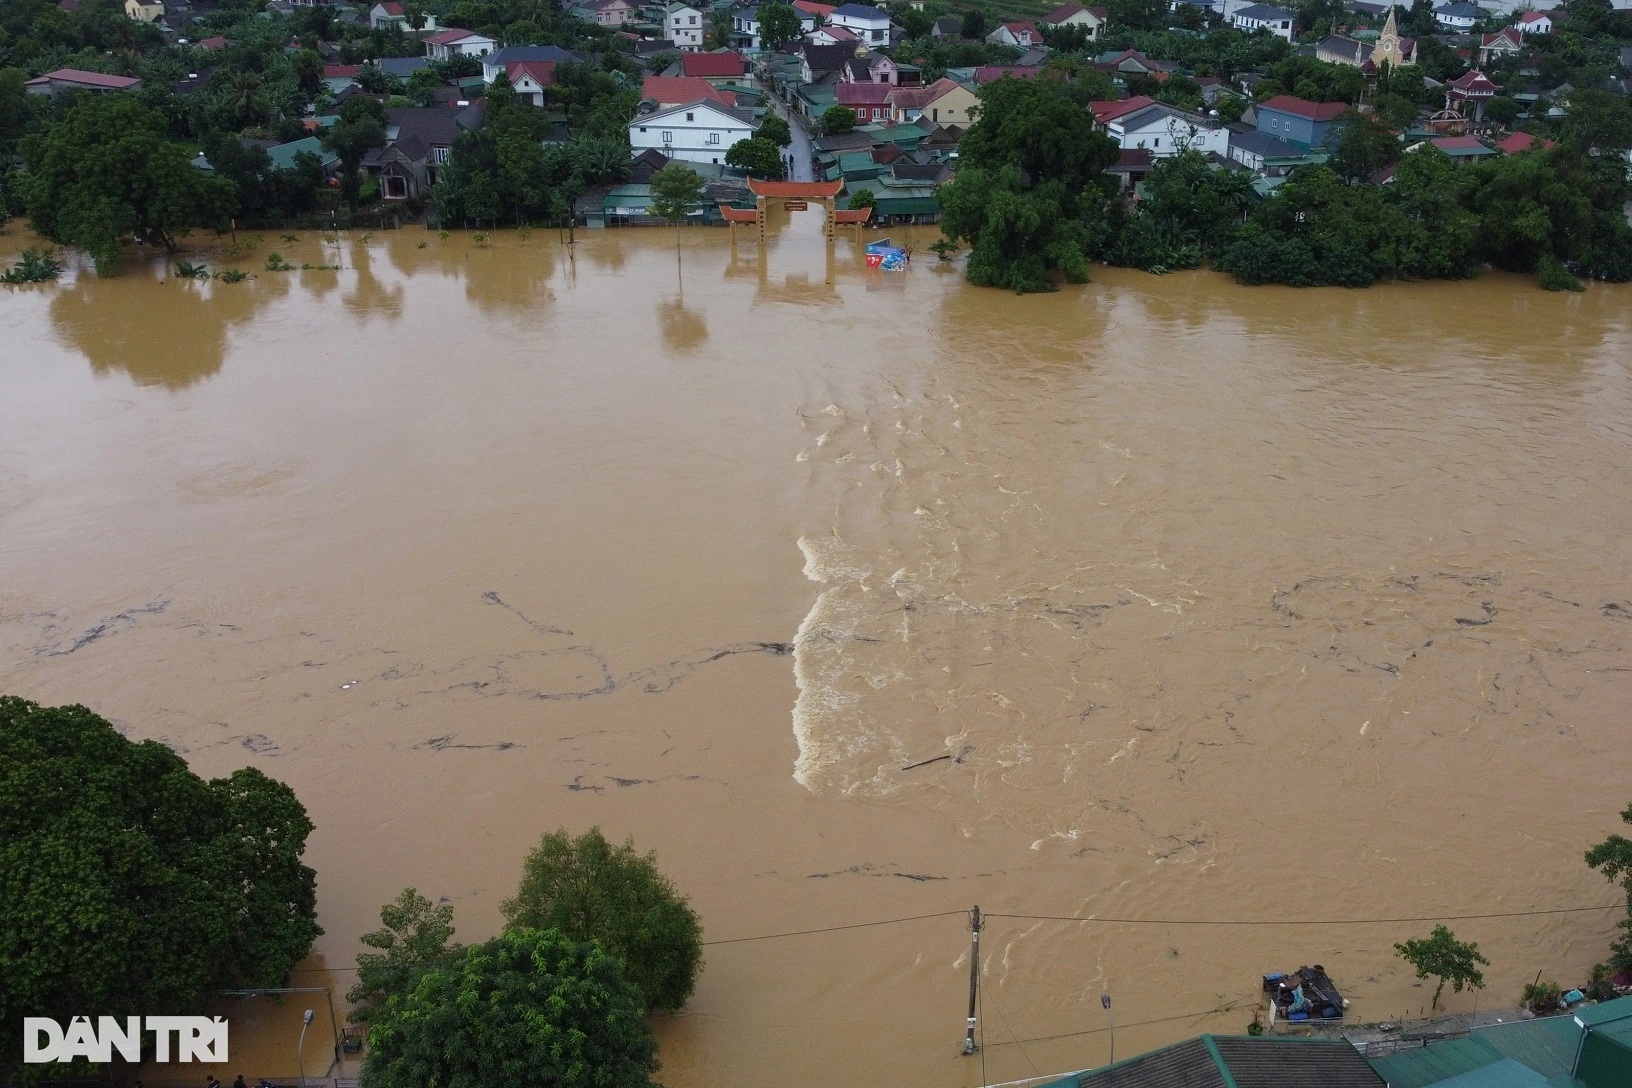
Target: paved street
801, 150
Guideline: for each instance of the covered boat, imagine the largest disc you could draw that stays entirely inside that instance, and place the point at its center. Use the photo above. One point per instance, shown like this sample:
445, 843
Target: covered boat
1305, 994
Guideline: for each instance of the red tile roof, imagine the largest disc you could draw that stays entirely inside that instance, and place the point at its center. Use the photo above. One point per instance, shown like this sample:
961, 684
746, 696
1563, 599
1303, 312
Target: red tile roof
1473, 82
917, 98
712, 65
1062, 13
1522, 141
991, 73
451, 35
1110, 109
541, 71
1535, 16
862, 94
1302, 107
214, 43
810, 7
673, 90
341, 71
390, 7
1456, 143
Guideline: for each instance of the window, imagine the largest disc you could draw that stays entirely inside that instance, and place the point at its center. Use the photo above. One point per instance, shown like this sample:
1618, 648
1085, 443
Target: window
440, 154
694, 20
643, 128
713, 137
690, 117
668, 137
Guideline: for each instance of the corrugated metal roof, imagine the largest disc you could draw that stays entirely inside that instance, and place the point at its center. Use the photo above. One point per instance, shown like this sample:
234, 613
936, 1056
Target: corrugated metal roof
1431, 1064
1594, 1015
1506, 1073
1547, 1045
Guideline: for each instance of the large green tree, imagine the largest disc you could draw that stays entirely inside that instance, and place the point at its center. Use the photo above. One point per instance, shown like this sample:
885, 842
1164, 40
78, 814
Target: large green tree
532, 1009
128, 883
676, 190
360, 129
778, 25
106, 175
758, 156
591, 890
415, 937
1030, 191
1613, 858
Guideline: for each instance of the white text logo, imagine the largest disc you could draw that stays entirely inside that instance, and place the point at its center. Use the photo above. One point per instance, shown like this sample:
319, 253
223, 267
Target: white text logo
196, 1038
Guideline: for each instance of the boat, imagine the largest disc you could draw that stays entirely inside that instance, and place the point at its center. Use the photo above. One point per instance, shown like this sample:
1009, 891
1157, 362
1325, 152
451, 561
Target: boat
1303, 995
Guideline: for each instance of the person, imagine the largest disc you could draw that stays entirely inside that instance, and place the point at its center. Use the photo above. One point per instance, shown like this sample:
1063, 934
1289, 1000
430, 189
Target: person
211, 1082
239, 1083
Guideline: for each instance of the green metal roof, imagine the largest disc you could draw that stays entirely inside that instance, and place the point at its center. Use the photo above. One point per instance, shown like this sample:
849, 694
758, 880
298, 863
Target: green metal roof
1547, 1045
1595, 1015
1506, 1073
1431, 1064
283, 156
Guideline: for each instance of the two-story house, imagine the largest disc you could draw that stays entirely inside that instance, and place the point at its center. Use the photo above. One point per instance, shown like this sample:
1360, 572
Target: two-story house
1298, 121
683, 26
1166, 131
1264, 17
500, 60
694, 132
1019, 35
453, 42
1458, 16
871, 25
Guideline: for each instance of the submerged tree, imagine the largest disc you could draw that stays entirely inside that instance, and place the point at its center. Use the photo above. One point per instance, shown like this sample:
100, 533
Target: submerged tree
106, 175
530, 1008
676, 190
415, 937
129, 882
591, 890
1613, 858
1444, 957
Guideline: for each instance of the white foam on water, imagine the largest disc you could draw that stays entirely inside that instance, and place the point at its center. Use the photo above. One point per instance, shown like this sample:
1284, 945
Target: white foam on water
825, 723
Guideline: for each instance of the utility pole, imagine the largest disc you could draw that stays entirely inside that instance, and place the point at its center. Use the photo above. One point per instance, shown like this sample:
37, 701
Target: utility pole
974, 977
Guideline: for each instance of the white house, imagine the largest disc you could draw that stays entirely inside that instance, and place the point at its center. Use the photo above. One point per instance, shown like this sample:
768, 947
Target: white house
1165, 131
1264, 17
1458, 16
745, 22
871, 25
1094, 20
683, 26
1535, 22
696, 132
1019, 35
453, 42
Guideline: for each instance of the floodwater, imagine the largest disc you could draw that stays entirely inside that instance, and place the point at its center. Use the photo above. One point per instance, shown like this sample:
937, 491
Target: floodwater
1226, 604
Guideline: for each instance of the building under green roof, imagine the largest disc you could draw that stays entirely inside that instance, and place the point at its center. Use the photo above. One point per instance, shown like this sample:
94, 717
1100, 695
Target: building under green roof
1588, 1048
283, 155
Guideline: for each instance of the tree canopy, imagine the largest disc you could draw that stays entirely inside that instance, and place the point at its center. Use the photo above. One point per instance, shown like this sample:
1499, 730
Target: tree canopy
1613, 858
132, 884
360, 129
106, 175
590, 890
759, 157
778, 25
415, 936
528, 1008
1442, 956
1030, 191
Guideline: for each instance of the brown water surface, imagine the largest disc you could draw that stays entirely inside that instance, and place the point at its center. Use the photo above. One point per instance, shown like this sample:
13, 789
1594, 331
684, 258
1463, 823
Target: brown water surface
1227, 603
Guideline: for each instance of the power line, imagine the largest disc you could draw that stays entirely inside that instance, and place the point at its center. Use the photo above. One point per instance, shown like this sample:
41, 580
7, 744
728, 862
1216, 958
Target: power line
1295, 921
836, 929
1143, 1023
1012, 1035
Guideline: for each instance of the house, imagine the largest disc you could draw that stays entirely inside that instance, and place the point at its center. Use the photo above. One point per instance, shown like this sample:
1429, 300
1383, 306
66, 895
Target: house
386, 15
717, 68
991, 73
1535, 22
667, 91
418, 143
1165, 131
1264, 17
1461, 149
501, 59
833, 35
1215, 1061
1338, 49
1506, 42
870, 101
869, 24
75, 79
1523, 141
1094, 20
401, 67
878, 68
1471, 87
945, 102
1459, 16
283, 155
1133, 62
453, 42
819, 62
699, 131
683, 26
606, 12
946, 28
145, 11
1262, 153
1588, 1047
528, 78
1108, 110
1298, 121
1019, 35
818, 12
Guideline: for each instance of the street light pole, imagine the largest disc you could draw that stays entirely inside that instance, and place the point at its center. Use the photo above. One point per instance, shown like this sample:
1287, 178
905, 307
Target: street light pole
300, 1061
1105, 1000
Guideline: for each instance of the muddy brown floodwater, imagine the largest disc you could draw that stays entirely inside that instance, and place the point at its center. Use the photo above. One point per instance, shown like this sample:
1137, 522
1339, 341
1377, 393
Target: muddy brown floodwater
1245, 604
